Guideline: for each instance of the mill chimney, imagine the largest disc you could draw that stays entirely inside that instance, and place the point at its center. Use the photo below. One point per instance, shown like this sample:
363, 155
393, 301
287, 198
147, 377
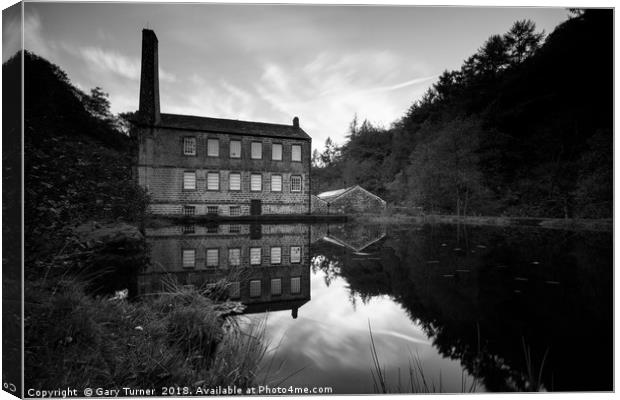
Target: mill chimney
149, 79
296, 122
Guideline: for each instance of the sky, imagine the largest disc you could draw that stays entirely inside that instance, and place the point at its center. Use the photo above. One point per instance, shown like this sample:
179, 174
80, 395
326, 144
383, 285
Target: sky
269, 63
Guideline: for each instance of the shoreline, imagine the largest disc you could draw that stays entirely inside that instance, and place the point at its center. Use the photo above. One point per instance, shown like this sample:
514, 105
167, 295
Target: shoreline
577, 224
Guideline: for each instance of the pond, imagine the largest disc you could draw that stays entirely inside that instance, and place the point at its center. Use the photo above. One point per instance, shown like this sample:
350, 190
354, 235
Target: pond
449, 308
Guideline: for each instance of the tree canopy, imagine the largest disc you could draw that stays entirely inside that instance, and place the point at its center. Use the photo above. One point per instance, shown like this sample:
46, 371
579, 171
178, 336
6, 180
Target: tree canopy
523, 128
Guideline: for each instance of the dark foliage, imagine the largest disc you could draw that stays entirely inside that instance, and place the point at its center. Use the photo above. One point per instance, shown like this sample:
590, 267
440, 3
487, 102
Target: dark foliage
77, 164
524, 128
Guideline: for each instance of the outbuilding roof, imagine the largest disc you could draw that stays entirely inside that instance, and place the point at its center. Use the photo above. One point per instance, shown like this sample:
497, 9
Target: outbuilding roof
332, 194
220, 125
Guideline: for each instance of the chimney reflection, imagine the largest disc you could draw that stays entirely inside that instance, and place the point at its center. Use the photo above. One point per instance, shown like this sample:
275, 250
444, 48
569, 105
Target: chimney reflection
266, 267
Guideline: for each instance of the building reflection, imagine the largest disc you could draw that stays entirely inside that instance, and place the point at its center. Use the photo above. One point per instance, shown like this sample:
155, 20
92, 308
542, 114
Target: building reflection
267, 267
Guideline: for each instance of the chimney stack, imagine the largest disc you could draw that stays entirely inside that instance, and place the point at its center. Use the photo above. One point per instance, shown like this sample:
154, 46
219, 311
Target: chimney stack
296, 122
149, 79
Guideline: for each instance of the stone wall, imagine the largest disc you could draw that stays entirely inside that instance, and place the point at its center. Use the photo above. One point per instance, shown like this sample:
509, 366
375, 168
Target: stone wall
357, 200
318, 206
161, 166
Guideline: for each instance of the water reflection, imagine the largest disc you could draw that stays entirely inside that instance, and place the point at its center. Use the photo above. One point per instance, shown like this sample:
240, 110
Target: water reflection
515, 308
266, 266
522, 309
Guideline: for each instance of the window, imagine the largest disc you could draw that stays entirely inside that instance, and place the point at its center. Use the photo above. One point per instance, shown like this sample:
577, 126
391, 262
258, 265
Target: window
213, 181
213, 256
189, 210
234, 290
255, 255
255, 288
212, 210
213, 147
257, 150
256, 182
295, 285
276, 255
234, 228
190, 228
234, 257
276, 183
276, 151
189, 146
295, 183
295, 254
296, 152
189, 180
212, 228
189, 258
235, 211
234, 181
235, 149
276, 286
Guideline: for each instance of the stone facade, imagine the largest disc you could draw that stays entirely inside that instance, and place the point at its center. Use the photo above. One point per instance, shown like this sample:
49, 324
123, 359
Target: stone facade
352, 200
173, 147
318, 206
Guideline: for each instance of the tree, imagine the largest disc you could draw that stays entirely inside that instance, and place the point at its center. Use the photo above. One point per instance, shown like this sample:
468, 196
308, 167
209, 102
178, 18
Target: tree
522, 41
444, 172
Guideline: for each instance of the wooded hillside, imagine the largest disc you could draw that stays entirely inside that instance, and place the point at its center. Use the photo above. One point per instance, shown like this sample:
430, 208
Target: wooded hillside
524, 128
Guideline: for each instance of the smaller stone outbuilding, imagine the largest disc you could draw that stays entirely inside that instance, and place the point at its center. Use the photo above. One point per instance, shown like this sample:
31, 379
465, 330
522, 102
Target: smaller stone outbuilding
351, 200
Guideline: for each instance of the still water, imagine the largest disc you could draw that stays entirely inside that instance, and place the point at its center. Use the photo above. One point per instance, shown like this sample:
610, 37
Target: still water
464, 308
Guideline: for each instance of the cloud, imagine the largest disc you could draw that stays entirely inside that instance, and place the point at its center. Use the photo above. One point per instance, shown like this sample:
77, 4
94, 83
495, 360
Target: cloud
11, 31
116, 63
34, 39
330, 89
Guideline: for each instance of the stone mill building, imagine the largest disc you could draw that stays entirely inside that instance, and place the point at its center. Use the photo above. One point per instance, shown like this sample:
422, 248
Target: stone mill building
193, 165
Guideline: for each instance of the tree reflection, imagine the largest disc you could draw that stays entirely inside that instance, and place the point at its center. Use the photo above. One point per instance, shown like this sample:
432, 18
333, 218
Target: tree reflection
522, 309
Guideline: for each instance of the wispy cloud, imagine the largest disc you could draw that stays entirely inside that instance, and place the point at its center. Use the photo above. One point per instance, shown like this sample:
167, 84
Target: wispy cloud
111, 61
329, 90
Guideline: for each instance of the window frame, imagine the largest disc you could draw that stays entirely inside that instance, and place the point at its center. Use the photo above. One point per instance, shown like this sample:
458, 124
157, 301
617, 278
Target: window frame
217, 250
218, 181
271, 255
195, 153
279, 280
291, 254
260, 256
281, 151
271, 183
183, 250
239, 256
230, 189
299, 279
217, 147
252, 143
230, 148
300, 152
252, 174
195, 181
301, 184
260, 288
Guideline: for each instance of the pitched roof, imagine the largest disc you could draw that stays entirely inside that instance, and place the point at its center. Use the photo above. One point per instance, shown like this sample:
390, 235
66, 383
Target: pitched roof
333, 193
220, 125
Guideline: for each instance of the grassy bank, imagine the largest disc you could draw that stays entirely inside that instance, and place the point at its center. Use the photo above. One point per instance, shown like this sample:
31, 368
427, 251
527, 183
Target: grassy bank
178, 338
599, 225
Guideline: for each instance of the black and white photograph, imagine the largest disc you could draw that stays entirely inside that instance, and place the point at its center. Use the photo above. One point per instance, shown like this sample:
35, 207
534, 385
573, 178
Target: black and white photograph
227, 199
